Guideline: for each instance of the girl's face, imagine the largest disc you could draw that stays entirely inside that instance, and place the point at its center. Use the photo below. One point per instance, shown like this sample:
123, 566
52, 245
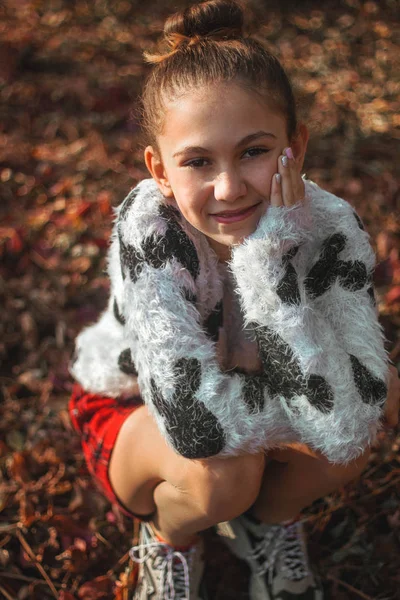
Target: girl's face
218, 153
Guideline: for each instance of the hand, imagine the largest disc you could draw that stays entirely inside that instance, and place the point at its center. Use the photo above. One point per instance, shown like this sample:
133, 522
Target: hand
287, 186
393, 399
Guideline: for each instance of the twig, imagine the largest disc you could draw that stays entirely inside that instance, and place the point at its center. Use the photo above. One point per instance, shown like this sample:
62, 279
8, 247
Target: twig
76, 584
349, 587
120, 562
29, 550
6, 594
381, 489
103, 539
332, 509
6, 528
6, 575
5, 541
321, 515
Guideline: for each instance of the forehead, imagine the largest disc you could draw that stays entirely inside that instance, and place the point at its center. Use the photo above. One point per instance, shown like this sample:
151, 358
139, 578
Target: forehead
224, 109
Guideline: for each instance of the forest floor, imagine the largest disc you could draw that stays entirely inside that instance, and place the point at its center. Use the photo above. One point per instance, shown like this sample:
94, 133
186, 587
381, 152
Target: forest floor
70, 74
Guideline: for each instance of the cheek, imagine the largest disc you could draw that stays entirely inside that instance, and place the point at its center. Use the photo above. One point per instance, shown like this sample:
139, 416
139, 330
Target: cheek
191, 196
191, 206
261, 176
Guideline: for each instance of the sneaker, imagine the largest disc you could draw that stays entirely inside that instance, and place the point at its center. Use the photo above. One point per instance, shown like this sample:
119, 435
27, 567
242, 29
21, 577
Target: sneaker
277, 557
165, 572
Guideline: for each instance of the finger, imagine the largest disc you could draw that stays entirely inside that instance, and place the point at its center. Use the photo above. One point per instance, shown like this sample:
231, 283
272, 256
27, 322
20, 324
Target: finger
394, 374
297, 182
392, 419
286, 181
391, 411
276, 190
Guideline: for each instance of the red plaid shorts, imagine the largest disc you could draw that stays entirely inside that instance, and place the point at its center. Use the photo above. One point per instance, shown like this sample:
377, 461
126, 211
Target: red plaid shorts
98, 420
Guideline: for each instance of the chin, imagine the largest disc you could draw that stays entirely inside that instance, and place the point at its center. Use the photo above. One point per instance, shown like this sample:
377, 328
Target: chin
238, 237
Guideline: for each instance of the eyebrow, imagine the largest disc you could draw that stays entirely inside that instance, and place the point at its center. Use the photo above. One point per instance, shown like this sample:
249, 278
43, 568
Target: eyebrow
246, 140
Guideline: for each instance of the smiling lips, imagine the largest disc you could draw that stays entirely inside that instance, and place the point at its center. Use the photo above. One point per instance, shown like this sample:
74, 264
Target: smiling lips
234, 216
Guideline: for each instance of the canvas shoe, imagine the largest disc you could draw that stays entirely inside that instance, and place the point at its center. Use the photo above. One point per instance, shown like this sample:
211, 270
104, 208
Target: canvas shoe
165, 572
277, 557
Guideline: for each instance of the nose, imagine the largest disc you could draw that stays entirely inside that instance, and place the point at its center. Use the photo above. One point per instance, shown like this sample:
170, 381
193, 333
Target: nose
229, 186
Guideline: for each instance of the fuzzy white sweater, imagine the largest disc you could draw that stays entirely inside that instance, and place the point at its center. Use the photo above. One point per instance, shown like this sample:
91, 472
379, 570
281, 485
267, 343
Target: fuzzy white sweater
304, 283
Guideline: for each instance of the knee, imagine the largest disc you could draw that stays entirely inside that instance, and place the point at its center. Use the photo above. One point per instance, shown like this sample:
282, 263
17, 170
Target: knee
316, 465
228, 487
334, 476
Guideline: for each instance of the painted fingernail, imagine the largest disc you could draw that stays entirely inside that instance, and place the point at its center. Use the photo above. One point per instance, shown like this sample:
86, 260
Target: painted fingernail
289, 153
285, 161
278, 177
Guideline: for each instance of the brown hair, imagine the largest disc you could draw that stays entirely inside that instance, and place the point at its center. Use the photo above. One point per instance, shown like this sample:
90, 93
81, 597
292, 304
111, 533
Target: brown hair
205, 44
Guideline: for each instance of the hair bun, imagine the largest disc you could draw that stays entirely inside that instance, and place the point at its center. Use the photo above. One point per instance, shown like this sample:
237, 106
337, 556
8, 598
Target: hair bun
219, 18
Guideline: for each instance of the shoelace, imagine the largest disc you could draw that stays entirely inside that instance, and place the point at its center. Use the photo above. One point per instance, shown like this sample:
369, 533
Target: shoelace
283, 542
294, 562
173, 565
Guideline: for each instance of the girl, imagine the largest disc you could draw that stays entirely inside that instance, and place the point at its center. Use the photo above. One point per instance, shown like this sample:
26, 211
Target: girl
242, 307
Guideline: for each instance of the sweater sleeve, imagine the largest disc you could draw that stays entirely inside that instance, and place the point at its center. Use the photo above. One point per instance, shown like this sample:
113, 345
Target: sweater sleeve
308, 295
201, 410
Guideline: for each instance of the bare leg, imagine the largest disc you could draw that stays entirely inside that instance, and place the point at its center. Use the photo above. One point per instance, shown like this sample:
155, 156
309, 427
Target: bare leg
185, 495
295, 477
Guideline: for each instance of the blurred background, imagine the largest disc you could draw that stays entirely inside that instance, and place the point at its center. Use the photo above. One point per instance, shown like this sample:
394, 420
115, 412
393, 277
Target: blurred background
71, 72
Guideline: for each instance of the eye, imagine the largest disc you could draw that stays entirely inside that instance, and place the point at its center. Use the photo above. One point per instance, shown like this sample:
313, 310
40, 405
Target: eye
196, 163
252, 152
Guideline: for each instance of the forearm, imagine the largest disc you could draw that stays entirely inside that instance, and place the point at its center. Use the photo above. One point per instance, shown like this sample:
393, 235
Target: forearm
310, 305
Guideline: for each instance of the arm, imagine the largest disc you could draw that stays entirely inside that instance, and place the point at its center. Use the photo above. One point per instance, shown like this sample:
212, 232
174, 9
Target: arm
200, 410
316, 324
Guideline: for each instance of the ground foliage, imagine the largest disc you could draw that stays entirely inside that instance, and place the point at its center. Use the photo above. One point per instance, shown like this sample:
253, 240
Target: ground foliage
70, 73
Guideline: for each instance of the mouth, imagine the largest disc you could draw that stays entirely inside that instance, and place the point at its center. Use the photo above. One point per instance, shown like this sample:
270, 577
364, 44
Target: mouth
232, 216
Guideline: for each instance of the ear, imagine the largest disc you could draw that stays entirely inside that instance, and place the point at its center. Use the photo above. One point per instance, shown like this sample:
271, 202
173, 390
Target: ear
156, 169
299, 144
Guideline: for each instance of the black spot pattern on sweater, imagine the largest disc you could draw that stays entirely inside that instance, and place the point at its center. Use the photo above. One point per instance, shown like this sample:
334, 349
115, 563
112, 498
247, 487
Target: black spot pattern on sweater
130, 260
127, 203
324, 272
359, 222
291, 253
157, 250
371, 289
189, 296
194, 430
178, 243
126, 363
352, 274
283, 375
319, 393
281, 370
169, 213
117, 314
214, 321
288, 288
371, 389
253, 389
371, 294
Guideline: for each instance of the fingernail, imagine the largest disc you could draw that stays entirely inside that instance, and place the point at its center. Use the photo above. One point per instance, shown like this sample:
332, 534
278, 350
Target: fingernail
289, 153
278, 177
285, 161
